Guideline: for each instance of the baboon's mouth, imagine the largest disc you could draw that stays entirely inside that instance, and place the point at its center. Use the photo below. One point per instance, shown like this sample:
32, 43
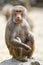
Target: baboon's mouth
18, 21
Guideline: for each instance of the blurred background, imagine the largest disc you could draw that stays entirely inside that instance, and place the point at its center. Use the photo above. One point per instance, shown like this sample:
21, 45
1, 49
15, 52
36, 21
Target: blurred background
23, 2
35, 12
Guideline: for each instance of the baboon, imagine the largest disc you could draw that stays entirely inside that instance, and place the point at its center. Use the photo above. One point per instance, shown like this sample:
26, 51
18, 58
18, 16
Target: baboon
18, 36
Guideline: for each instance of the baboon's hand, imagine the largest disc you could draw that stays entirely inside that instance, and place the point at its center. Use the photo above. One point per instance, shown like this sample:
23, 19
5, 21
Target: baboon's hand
18, 39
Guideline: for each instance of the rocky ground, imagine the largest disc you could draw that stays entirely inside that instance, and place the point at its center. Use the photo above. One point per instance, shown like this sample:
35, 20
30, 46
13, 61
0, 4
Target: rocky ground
36, 14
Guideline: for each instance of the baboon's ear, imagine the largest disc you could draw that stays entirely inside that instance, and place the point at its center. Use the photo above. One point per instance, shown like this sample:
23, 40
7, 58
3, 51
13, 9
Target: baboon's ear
7, 10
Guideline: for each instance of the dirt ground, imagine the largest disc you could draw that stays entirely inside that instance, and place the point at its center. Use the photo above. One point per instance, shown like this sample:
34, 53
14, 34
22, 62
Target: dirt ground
36, 14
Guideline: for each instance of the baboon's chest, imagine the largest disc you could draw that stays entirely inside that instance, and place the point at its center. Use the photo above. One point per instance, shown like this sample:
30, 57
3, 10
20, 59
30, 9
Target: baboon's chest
21, 33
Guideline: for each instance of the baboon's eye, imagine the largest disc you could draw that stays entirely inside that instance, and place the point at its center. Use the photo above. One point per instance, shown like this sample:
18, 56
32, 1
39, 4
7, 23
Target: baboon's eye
22, 14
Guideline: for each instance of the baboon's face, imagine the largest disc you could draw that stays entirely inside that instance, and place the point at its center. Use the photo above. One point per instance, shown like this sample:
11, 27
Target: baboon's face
18, 16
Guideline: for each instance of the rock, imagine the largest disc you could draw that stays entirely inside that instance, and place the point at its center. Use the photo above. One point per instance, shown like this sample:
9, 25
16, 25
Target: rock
35, 63
32, 61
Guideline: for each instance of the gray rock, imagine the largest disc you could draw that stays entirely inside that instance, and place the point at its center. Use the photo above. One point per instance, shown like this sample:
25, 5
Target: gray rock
35, 63
12, 61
